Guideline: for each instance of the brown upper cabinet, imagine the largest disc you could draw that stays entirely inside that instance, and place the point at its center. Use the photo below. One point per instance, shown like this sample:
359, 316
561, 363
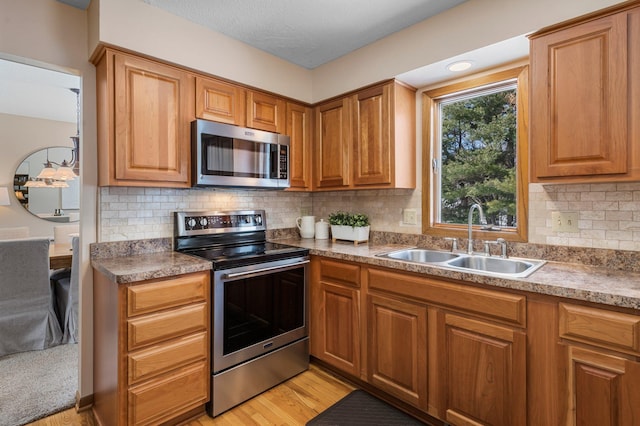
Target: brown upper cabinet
220, 101
585, 95
144, 111
230, 103
265, 112
363, 140
367, 139
332, 143
299, 127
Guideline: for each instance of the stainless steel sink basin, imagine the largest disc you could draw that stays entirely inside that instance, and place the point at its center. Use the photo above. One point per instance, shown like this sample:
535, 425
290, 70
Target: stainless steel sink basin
496, 265
421, 255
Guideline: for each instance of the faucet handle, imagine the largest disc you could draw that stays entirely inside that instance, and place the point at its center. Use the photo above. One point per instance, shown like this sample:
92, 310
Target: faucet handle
503, 247
454, 243
487, 250
501, 242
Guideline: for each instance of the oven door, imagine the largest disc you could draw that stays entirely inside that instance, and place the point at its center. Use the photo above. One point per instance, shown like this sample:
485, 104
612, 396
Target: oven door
257, 309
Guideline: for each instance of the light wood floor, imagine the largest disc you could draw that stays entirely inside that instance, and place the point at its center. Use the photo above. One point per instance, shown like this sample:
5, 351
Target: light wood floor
294, 402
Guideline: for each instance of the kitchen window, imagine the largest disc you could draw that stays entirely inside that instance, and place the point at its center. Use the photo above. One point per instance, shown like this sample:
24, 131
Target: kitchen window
475, 150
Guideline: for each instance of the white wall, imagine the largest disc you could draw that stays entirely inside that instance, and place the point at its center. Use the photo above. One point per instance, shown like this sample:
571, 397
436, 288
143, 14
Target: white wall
152, 31
466, 27
54, 35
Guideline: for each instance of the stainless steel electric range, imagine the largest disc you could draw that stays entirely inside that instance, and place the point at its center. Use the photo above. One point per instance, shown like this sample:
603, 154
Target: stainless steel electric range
259, 310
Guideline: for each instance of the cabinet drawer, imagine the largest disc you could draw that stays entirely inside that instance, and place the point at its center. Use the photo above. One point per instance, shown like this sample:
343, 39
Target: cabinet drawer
487, 303
156, 360
158, 295
342, 272
600, 327
164, 399
166, 325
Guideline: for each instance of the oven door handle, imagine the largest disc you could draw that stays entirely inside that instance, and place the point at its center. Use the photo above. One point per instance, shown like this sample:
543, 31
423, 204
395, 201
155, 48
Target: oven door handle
260, 271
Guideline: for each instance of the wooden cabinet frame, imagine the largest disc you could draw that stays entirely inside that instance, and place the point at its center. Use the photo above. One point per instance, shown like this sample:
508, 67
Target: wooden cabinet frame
585, 83
366, 139
397, 348
144, 113
151, 349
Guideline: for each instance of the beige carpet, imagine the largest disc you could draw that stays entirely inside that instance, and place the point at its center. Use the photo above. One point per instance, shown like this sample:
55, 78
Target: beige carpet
37, 384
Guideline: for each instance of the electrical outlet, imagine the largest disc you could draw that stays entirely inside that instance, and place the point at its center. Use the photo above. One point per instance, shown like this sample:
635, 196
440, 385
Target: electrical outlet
564, 221
410, 217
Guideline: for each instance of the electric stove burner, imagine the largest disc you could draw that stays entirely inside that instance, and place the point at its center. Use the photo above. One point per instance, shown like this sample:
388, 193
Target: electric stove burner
229, 239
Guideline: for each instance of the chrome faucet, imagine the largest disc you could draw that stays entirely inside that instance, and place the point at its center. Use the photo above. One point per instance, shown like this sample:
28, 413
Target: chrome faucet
499, 242
483, 221
454, 243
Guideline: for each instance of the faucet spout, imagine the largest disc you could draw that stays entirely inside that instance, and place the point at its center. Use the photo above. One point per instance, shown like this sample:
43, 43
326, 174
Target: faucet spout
483, 221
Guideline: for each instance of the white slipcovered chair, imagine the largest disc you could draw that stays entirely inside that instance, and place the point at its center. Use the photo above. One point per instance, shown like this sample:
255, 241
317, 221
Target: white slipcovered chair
27, 317
66, 295
62, 234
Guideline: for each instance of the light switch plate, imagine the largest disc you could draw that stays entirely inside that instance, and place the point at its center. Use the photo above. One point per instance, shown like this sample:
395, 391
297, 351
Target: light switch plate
564, 222
410, 217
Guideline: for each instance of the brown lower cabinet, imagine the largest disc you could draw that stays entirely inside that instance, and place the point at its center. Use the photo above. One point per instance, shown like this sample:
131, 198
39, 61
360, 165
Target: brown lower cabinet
335, 292
397, 348
473, 355
151, 349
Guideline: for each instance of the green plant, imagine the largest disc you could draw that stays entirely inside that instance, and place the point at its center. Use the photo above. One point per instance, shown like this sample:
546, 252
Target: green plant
348, 219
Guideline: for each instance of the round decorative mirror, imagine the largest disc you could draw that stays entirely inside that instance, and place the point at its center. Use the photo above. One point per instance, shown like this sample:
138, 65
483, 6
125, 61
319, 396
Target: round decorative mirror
47, 187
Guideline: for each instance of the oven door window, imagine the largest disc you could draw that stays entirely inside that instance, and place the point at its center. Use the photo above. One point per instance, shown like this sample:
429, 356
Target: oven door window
223, 156
262, 307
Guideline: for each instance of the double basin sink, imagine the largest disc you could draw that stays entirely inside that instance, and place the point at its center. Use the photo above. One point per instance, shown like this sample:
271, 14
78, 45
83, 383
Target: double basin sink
475, 263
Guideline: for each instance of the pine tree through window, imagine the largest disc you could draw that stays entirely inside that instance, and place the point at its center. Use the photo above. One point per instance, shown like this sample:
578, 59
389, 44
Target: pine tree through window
475, 138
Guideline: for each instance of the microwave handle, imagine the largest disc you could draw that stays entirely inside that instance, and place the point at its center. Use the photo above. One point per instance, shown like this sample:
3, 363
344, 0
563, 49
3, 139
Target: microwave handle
263, 270
275, 161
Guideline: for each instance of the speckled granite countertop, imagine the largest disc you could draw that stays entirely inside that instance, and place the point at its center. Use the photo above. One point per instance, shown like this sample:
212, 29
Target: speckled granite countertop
574, 281
132, 261
122, 263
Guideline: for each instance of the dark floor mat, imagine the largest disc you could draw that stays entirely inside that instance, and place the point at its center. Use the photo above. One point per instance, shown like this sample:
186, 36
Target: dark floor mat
360, 408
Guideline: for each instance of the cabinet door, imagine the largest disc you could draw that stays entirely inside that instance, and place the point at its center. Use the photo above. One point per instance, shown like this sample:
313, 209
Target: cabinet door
338, 342
333, 141
485, 373
579, 100
299, 125
152, 135
160, 401
603, 389
372, 137
265, 112
220, 101
397, 348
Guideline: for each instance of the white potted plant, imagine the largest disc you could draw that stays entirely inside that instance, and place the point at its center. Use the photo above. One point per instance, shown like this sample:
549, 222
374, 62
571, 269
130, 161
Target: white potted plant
349, 226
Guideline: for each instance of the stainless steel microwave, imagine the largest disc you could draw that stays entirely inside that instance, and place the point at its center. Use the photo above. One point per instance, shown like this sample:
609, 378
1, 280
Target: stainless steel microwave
226, 155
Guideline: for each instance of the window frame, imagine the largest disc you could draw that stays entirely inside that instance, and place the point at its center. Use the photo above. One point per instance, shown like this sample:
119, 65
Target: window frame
430, 143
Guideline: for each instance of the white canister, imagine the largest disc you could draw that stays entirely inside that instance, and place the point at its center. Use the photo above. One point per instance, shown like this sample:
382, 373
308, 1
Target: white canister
306, 226
322, 230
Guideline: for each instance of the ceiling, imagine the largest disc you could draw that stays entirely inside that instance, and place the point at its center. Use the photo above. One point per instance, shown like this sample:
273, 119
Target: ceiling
308, 33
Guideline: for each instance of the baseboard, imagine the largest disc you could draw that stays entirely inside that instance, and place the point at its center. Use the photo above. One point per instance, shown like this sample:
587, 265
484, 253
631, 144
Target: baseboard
84, 403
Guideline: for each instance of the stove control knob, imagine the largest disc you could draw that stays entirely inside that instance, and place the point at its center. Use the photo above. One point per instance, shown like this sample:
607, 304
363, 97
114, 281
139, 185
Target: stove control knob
191, 223
203, 221
247, 219
258, 220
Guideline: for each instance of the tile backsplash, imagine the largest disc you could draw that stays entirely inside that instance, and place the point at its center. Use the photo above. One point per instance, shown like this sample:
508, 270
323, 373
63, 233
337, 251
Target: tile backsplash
608, 214
139, 213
